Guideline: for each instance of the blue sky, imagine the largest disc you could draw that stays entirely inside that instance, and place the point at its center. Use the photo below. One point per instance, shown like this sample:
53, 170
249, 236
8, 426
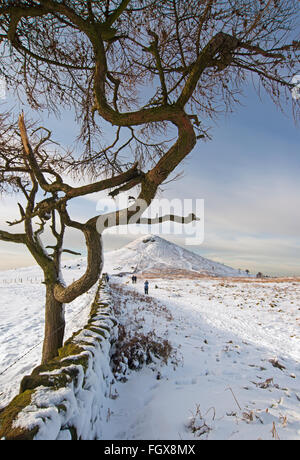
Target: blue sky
248, 176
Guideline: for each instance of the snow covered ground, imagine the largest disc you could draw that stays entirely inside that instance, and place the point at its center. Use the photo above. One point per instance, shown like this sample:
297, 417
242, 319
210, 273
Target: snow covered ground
236, 371
22, 297
238, 362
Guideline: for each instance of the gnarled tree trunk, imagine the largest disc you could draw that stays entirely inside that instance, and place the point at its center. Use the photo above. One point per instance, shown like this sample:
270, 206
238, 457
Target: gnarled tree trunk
57, 294
54, 325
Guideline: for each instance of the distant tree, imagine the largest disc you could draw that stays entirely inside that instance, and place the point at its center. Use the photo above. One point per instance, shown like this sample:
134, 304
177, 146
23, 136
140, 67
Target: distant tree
154, 71
259, 275
247, 271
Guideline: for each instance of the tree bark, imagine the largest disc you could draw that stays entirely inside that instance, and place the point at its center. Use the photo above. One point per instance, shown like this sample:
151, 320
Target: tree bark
93, 240
54, 326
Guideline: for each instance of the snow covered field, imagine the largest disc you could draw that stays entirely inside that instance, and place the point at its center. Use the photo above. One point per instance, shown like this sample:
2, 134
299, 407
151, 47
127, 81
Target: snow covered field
235, 368
22, 297
238, 363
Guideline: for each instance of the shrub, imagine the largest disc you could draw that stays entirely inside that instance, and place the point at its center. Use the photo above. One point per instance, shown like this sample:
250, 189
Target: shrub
133, 350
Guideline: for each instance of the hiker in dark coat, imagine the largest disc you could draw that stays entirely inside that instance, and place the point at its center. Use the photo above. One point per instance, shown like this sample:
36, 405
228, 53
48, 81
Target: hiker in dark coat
146, 287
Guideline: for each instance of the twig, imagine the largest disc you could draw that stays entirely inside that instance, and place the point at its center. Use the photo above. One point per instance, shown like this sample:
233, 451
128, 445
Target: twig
229, 388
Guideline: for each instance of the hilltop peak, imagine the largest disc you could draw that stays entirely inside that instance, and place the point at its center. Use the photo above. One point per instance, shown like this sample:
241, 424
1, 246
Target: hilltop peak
152, 253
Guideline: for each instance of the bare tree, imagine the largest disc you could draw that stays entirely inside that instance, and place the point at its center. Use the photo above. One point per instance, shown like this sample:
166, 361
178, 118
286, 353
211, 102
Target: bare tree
154, 70
29, 168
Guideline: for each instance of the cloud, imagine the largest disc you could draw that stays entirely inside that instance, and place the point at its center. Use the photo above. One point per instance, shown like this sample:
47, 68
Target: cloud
257, 205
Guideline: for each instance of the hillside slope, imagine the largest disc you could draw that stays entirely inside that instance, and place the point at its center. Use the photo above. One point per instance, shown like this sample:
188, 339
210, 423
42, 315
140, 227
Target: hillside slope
152, 253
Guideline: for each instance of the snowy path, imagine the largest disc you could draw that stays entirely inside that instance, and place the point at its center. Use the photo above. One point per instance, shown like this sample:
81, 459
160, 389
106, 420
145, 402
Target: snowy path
227, 335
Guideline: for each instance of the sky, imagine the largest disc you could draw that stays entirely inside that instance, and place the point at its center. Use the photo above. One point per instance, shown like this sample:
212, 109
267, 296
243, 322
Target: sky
248, 179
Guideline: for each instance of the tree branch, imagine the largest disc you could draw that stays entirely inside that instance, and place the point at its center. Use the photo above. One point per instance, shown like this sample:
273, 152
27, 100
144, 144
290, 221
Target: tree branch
154, 50
104, 184
94, 267
12, 237
72, 192
168, 218
117, 13
220, 42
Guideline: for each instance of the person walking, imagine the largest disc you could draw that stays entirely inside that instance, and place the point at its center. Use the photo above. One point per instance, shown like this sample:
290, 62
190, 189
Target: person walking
146, 287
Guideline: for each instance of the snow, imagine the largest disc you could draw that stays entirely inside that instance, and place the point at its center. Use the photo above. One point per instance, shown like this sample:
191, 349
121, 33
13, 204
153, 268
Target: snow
152, 252
235, 370
22, 298
83, 402
78, 407
226, 336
